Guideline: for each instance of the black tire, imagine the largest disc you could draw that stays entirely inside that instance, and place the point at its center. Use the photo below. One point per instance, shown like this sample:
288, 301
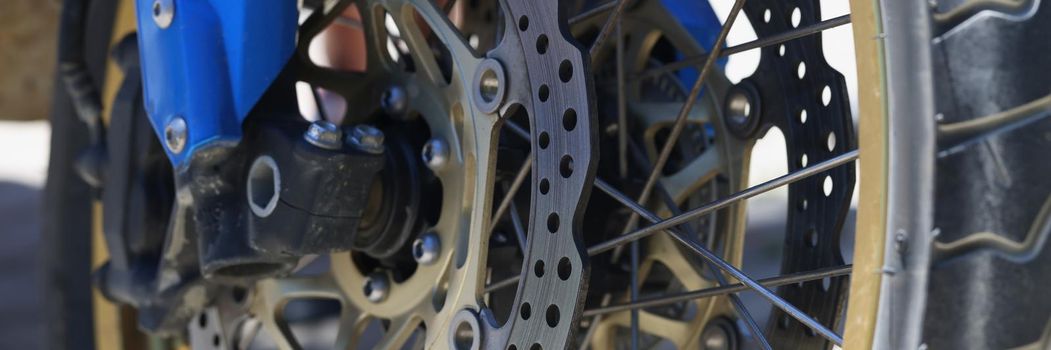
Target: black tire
67, 217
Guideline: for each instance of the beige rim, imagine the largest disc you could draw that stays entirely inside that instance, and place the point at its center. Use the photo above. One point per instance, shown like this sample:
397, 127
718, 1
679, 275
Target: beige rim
869, 238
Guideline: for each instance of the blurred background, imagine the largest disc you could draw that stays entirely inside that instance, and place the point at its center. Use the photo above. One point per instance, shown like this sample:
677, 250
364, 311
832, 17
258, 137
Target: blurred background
27, 62
28, 30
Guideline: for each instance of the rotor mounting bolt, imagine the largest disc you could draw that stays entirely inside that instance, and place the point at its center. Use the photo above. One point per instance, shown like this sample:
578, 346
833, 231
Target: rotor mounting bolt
435, 154
324, 134
376, 287
175, 135
425, 249
395, 101
465, 333
163, 13
490, 86
366, 138
741, 113
719, 335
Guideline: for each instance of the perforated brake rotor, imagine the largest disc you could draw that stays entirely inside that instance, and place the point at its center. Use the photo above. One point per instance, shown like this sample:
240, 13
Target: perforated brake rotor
792, 84
647, 25
533, 68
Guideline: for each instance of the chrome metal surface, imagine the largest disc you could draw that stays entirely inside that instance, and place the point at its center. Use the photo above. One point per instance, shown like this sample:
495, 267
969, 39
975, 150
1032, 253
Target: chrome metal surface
176, 134
435, 154
395, 101
490, 85
324, 134
163, 13
376, 287
426, 248
366, 138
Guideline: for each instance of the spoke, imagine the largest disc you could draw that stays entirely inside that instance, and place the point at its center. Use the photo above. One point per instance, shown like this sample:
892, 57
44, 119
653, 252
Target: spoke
510, 281
735, 300
613, 19
714, 259
642, 163
520, 233
517, 130
634, 294
593, 325
680, 120
509, 195
622, 109
755, 44
719, 204
597, 10
771, 282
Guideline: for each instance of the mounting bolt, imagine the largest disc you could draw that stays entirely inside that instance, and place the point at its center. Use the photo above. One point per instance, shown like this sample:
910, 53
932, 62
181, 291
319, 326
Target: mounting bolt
366, 138
490, 86
741, 111
435, 154
163, 13
425, 248
376, 287
395, 101
175, 135
324, 134
465, 333
720, 334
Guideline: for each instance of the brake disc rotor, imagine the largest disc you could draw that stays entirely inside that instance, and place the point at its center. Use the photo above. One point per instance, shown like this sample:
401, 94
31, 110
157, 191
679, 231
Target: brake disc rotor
778, 94
705, 171
462, 101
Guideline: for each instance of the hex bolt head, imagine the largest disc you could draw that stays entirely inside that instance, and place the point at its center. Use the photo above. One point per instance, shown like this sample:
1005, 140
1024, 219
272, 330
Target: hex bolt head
376, 287
425, 249
366, 138
163, 13
176, 134
395, 101
324, 134
435, 154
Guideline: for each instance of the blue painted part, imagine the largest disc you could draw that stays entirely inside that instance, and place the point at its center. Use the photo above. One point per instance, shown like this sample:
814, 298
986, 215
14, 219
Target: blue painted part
212, 64
699, 19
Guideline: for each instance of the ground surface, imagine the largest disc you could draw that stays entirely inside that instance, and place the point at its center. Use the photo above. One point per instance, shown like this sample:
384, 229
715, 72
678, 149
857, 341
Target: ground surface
23, 162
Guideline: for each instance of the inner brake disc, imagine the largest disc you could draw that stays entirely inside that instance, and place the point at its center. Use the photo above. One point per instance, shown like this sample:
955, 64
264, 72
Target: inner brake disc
463, 95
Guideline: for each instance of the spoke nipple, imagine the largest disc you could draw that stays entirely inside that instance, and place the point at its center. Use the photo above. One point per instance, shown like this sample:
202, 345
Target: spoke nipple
435, 154
376, 287
426, 248
367, 138
900, 242
175, 135
324, 134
